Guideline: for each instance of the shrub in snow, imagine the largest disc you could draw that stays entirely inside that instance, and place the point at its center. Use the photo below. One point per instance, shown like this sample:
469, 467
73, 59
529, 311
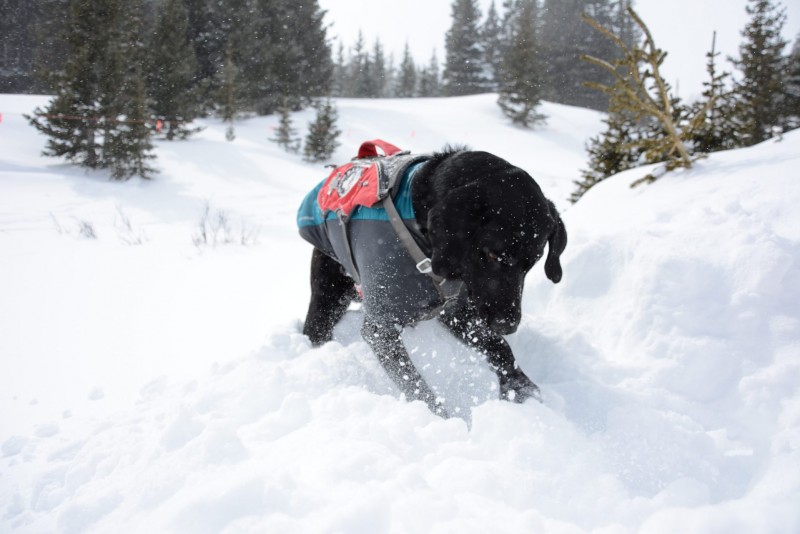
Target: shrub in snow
217, 228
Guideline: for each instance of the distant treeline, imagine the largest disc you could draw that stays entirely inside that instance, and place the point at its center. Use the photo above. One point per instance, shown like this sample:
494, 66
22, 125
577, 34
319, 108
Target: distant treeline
282, 54
478, 50
278, 48
123, 71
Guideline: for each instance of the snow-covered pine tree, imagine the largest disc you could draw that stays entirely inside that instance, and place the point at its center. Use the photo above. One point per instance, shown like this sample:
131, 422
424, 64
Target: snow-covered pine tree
286, 134
761, 64
614, 150
521, 73
464, 67
323, 133
407, 78
171, 70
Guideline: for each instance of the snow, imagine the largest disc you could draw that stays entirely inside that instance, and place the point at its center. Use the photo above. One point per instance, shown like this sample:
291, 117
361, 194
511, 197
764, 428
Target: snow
151, 384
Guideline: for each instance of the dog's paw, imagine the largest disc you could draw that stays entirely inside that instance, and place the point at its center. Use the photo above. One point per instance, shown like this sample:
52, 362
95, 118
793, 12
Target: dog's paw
518, 388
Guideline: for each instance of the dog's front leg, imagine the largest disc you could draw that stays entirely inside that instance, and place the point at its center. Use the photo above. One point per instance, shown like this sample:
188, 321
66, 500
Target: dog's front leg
465, 324
386, 343
331, 293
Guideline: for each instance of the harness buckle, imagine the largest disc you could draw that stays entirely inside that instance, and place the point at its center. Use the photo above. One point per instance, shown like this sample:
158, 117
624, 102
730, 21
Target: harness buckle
424, 266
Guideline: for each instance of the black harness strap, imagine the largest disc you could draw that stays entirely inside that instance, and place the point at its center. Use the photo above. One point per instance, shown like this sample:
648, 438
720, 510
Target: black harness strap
348, 250
423, 263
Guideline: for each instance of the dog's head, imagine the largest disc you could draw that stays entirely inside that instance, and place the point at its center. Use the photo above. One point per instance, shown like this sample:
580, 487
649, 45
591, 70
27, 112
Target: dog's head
489, 234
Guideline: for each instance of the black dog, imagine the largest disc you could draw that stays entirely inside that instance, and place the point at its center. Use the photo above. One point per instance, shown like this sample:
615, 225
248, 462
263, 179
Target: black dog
484, 223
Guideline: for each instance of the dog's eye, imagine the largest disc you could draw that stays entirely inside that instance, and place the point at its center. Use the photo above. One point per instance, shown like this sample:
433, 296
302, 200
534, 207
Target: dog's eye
490, 255
498, 258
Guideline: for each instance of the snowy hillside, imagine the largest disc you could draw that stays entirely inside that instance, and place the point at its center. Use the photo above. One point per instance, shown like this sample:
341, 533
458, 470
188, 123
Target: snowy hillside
152, 383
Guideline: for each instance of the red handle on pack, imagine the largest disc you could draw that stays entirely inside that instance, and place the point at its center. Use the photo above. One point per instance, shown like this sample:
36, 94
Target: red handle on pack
369, 149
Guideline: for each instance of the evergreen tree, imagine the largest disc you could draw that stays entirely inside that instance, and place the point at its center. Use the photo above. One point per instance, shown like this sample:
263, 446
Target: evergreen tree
314, 79
390, 85
340, 77
561, 35
407, 79
321, 141
255, 43
761, 64
286, 135
564, 39
379, 71
126, 135
98, 93
521, 81
128, 148
491, 35
792, 95
172, 70
206, 35
70, 120
210, 31
361, 79
31, 44
614, 150
18, 46
50, 48
464, 67
611, 14
715, 128
282, 51
641, 92
429, 83
227, 95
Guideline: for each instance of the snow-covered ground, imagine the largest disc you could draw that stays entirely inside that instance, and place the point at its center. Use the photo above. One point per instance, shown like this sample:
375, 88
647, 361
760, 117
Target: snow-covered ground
150, 383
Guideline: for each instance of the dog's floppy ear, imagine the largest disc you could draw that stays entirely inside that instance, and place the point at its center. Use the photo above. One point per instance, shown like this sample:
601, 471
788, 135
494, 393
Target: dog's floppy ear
452, 223
556, 243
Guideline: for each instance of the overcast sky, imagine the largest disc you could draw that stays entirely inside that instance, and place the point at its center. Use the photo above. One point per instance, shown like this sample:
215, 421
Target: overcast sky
681, 27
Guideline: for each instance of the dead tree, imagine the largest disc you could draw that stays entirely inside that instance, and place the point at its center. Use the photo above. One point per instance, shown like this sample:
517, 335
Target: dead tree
640, 90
